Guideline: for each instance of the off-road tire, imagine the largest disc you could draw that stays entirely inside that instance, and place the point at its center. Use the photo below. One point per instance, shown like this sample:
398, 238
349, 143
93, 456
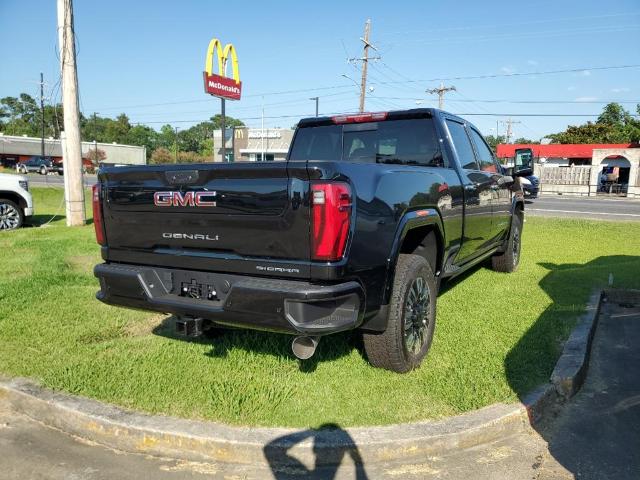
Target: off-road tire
17, 215
43, 170
508, 261
389, 349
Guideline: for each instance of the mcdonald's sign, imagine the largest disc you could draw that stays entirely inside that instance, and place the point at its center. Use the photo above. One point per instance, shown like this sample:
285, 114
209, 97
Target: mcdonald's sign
218, 84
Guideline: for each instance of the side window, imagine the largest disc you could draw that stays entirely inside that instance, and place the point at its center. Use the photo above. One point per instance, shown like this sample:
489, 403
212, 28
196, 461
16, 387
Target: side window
485, 155
462, 145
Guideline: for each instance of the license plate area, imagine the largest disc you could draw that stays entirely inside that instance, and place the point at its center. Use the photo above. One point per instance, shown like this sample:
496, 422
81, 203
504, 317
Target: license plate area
199, 286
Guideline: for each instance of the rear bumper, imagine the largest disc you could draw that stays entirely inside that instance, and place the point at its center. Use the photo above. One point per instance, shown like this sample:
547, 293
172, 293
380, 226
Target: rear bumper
286, 306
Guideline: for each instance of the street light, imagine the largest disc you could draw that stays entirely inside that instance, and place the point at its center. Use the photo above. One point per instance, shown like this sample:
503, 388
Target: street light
347, 76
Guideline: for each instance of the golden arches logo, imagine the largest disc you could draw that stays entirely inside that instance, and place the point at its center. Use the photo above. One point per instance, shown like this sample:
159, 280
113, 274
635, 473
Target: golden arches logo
219, 84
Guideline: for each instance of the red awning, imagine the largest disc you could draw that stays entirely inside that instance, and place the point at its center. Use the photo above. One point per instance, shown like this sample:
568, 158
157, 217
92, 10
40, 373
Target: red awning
558, 150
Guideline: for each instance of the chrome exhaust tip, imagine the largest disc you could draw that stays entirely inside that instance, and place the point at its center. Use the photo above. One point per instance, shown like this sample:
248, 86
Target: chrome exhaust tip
304, 347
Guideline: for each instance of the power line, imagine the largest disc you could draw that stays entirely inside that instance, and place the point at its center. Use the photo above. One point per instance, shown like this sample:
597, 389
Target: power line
578, 102
516, 74
392, 82
490, 114
517, 24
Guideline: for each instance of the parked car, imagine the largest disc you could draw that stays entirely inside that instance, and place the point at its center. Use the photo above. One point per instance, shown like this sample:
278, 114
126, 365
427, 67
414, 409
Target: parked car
356, 229
16, 202
41, 165
530, 186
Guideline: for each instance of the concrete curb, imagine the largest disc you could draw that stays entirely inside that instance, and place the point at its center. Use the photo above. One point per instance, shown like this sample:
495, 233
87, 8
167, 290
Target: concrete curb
195, 440
571, 368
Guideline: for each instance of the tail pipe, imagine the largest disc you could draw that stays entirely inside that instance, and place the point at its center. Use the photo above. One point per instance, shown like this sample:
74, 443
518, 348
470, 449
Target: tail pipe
304, 347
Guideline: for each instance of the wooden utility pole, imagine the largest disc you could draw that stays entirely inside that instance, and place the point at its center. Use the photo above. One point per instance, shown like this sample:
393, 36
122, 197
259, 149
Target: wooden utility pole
440, 91
72, 148
42, 111
365, 62
509, 122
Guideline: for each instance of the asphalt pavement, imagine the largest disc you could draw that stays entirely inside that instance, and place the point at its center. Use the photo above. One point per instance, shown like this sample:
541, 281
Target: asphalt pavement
593, 208
55, 180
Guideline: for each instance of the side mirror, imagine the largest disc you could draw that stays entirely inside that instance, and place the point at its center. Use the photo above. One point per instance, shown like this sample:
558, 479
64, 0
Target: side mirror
523, 162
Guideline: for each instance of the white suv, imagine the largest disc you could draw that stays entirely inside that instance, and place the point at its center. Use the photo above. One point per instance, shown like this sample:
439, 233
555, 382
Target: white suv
16, 202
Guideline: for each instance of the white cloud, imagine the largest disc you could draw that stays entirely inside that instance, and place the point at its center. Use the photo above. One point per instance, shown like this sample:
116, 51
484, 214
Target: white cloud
507, 70
586, 99
532, 62
571, 88
620, 89
585, 73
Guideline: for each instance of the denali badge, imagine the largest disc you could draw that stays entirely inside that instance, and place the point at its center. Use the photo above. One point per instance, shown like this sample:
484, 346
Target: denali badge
187, 199
191, 236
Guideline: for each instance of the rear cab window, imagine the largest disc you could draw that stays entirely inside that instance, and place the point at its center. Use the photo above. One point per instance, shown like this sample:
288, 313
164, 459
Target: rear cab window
401, 141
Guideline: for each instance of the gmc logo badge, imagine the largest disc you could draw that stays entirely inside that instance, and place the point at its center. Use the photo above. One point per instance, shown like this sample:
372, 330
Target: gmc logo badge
187, 199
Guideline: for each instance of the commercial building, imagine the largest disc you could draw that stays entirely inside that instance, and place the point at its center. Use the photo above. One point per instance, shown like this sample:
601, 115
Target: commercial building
583, 169
14, 149
253, 144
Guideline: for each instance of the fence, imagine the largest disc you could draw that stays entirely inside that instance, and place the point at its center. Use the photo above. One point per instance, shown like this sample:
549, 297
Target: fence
578, 175
568, 180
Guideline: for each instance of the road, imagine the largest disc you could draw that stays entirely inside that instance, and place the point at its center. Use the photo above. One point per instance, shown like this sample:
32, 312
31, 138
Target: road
37, 180
585, 207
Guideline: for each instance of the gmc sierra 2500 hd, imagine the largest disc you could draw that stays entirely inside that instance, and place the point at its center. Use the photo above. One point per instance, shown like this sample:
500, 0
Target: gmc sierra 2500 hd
355, 230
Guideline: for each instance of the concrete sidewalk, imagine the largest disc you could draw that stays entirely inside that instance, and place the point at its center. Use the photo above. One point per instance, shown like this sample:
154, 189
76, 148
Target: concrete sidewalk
31, 450
597, 434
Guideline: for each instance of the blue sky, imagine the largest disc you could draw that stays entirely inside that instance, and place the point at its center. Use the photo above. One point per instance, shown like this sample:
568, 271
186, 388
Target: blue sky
136, 53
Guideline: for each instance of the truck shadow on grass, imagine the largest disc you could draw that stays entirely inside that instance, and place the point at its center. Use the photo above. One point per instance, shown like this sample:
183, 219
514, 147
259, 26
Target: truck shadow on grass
224, 340
532, 359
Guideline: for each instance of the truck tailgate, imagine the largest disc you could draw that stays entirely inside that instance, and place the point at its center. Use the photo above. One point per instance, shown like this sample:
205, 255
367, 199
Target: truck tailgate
207, 211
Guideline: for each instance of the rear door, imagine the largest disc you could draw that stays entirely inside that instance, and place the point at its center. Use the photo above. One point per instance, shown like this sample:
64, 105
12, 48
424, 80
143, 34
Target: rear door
207, 212
477, 194
500, 191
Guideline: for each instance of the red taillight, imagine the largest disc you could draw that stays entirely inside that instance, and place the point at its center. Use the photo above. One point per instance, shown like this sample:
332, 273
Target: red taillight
330, 217
360, 118
97, 214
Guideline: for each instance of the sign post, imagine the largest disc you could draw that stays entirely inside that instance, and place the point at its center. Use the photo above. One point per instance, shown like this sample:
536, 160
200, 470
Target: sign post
219, 85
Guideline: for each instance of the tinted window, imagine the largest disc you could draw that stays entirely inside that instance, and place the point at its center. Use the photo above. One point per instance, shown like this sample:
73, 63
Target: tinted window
485, 155
462, 144
412, 142
317, 143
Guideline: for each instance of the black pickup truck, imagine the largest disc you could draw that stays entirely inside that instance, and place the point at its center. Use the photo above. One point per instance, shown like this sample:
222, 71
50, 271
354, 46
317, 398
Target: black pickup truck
354, 231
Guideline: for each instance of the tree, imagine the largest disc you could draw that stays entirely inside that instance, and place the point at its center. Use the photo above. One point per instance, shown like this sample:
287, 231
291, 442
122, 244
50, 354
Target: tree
117, 130
523, 140
96, 155
161, 155
22, 116
144, 136
493, 141
614, 125
614, 114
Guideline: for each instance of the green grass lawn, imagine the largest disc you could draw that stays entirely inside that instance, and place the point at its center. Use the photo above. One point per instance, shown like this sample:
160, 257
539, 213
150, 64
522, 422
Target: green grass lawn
497, 335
